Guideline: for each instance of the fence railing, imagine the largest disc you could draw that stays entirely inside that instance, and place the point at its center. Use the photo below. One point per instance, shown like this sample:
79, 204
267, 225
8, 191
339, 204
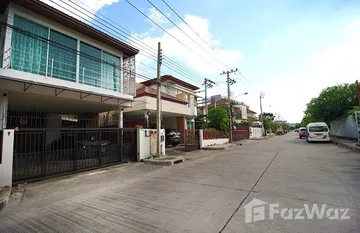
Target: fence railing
241, 133
214, 134
44, 153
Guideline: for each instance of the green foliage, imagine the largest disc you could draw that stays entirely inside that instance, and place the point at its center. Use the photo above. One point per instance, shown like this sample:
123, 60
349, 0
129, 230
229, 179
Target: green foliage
352, 111
218, 118
332, 103
285, 127
243, 123
270, 124
200, 121
297, 125
267, 115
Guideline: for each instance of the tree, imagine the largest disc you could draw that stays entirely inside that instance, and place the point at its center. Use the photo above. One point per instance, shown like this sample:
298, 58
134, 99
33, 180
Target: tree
332, 103
267, 115
218, 118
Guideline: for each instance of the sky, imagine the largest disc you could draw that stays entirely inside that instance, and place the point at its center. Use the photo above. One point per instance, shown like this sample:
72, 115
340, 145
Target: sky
290, 50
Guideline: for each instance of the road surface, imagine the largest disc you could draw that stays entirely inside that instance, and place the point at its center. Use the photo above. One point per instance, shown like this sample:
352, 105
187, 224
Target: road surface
207, 194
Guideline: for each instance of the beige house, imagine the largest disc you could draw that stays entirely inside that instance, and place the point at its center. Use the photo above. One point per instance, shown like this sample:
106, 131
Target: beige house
178, 105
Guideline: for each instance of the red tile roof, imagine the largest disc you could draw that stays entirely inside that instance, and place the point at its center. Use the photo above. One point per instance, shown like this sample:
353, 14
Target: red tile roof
171, 78
148, 91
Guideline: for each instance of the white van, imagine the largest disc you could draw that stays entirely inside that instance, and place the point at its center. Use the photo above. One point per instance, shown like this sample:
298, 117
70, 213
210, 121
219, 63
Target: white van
317, 131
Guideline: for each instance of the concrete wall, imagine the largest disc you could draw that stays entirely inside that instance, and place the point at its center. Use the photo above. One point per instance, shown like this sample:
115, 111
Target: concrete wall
209, 142
255, 132
144, 141
6, 161
344, 127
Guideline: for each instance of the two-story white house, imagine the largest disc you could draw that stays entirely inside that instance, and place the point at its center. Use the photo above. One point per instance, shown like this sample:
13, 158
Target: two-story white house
178, 104
58, 73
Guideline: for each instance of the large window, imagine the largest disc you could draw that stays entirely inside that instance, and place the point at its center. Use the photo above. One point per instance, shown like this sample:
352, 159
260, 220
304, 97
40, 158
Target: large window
98, 68
110, 72
28, 46
39, 50
90, 65
62, 56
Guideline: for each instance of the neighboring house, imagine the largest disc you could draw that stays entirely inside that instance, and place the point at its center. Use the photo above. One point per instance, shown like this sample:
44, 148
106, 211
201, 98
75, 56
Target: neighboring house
178, 105
252, 116
58, 73
240, 110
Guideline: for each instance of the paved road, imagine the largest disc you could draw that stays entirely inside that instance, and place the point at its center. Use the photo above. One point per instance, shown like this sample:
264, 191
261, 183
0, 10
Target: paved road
206, 194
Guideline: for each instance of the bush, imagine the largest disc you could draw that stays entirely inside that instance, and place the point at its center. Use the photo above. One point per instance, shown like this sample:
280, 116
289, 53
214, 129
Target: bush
218, 118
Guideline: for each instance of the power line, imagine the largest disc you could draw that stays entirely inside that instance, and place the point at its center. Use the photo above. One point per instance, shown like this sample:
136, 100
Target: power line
167, 32
172, 9
179, 69
182, 31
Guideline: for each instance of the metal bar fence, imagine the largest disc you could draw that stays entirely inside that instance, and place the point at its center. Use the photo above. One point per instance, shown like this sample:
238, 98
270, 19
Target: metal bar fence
44, 153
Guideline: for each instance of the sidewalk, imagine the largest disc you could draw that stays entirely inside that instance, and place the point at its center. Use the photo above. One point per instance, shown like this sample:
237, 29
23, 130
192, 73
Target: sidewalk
346, 143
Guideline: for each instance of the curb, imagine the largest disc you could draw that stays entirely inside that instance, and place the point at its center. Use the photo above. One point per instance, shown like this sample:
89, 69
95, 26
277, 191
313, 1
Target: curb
4, 196
346, 146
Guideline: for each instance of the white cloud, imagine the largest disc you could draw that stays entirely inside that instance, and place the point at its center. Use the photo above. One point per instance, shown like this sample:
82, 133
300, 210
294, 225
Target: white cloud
157, 17
90, 6
173, 49
267, 40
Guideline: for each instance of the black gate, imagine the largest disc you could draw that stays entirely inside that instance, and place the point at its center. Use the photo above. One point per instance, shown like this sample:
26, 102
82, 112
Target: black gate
192, 139
43, 153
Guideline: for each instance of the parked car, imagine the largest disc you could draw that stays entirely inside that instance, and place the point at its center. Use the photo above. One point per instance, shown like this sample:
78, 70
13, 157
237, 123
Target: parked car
302, 132
172, 137
317, 131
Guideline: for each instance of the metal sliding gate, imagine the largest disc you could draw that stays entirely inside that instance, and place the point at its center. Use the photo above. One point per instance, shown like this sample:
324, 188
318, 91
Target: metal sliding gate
192, 139
44, 153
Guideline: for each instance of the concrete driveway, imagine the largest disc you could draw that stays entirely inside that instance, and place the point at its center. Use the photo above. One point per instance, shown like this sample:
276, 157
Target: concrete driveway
206, 194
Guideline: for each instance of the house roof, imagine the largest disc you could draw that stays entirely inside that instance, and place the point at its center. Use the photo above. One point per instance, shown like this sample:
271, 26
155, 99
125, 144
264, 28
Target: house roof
148, 91
52, 13
173, 79
250, 111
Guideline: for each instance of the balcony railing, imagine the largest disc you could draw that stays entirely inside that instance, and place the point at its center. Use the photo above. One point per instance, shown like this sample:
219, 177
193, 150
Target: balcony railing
54, 68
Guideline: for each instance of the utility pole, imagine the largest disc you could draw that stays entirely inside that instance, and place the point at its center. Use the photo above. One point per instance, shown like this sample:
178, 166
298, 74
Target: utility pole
158, 101
229, 83
262, 94
208, 84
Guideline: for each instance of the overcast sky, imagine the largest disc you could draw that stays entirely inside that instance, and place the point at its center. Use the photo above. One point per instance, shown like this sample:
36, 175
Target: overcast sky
290, 50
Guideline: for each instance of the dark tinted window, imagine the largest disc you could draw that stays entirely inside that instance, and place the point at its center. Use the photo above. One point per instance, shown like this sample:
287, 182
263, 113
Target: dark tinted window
318, 129
302, 129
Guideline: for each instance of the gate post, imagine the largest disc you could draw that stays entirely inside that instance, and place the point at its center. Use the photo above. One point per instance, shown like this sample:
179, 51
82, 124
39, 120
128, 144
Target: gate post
201, 138
6, 157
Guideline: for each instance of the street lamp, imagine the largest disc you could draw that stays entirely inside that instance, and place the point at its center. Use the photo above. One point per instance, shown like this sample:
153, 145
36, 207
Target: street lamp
240, 95
262, 95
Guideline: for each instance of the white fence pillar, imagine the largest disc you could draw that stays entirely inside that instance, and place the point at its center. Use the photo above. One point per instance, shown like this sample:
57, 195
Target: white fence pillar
6, 157
201, 138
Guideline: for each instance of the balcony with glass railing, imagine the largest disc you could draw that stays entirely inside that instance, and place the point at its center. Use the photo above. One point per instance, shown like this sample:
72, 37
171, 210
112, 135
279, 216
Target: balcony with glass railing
45, 52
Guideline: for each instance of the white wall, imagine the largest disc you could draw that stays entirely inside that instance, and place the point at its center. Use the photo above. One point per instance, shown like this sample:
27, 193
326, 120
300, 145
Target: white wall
6, 163
344, 127
144, 143
149, 103
210, 142
255, 132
